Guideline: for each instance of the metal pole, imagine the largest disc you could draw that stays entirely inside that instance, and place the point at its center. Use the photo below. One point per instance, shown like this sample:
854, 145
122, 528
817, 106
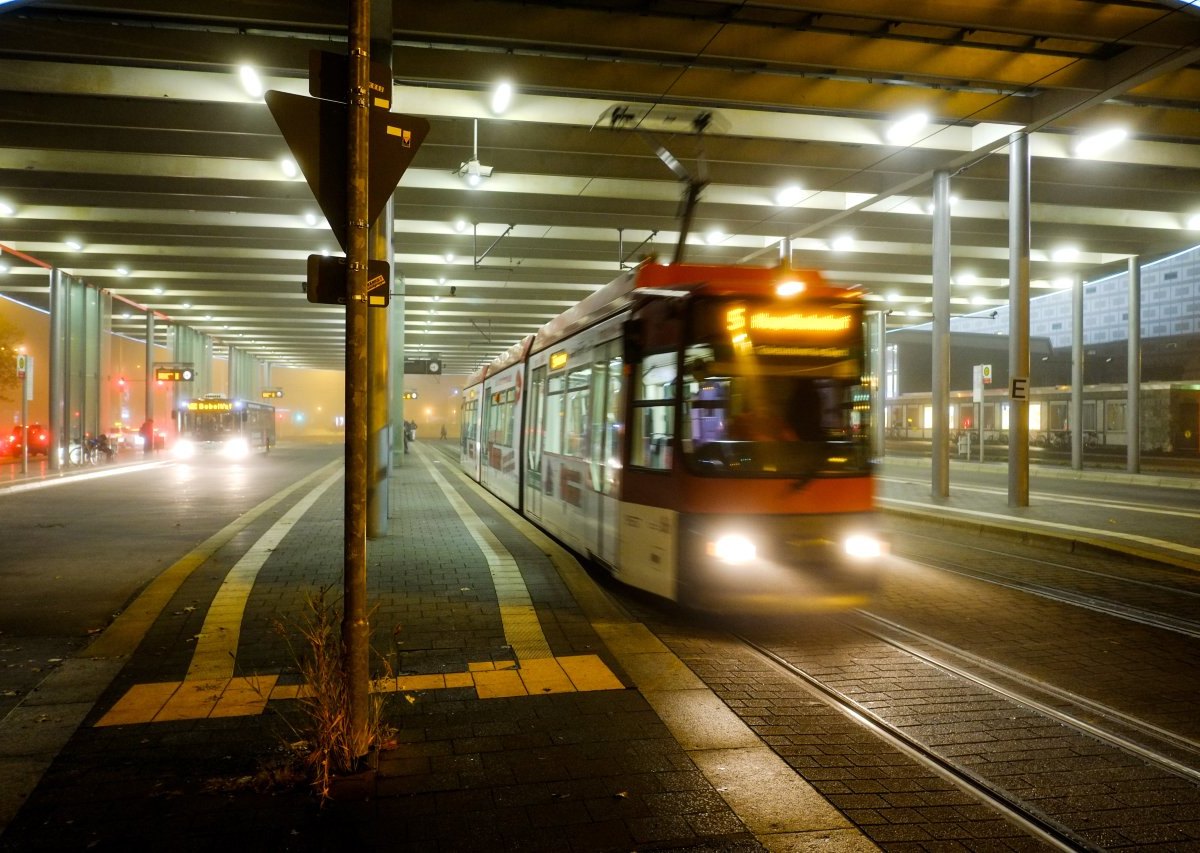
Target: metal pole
941, 335
379, 428
1133, 420
1077, 374
57, 366
149, 366
1018, 316
355, 629
881, 394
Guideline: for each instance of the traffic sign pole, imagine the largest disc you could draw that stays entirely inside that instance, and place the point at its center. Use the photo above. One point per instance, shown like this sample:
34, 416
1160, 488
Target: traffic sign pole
355, 627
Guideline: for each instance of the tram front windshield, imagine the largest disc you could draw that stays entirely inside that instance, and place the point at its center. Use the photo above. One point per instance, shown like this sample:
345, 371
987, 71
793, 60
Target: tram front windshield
774, 403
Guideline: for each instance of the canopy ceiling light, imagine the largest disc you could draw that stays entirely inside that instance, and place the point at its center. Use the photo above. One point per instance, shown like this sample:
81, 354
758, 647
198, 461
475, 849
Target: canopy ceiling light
472, 171
1098, 143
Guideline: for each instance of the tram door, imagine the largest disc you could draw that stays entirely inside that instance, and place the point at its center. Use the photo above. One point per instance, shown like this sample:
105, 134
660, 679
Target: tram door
605, 462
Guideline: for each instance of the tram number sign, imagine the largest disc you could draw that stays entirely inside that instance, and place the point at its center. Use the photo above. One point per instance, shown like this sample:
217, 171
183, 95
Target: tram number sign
272, 394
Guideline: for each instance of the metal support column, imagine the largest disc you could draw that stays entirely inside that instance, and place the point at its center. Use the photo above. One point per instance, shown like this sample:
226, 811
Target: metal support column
1133, 409
1018, 317
1076, 411
355, 627
941, 335
379, 427
785, 251
58, 368
149, 366
880, 420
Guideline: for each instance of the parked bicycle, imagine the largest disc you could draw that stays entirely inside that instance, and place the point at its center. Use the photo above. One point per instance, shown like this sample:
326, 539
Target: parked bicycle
92, 450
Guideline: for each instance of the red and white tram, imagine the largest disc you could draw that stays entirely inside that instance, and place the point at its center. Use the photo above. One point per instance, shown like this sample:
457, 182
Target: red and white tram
700, 431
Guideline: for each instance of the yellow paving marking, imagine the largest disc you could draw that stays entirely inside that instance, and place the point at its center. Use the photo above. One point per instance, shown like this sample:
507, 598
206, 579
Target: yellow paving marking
216, 649
521, 627
194, 700
499, 684
245, 697
122, 637
588, 672
544, 675
139, 705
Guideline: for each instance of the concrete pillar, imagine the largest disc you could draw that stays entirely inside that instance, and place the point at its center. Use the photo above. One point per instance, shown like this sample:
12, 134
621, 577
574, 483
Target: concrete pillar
941, 335
1018, 317
1133, 409
1076, 409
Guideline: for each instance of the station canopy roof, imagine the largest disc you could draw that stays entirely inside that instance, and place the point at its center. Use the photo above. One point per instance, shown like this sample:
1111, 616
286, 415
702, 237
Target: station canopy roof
132, 156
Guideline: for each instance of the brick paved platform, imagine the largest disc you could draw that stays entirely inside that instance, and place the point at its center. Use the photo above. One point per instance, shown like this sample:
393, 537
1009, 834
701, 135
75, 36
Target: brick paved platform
528, 711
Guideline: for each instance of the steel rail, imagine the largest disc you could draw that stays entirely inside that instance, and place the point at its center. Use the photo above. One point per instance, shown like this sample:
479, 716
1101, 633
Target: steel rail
1020, 814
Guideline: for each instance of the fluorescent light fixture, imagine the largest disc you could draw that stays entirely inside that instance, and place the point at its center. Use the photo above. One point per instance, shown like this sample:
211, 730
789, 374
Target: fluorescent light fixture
716, 235
1101, 142
186, 305
842, 243
74, 245
978, 299
449, 256
289, 168
310, 218
789, 195
1064, 254
502, 97
966, 278
789, 288
893, 297
6, 209
122, 271
1193, 223
906, 129
250, 81
460, 225
158, 290
3, 268
1062, 282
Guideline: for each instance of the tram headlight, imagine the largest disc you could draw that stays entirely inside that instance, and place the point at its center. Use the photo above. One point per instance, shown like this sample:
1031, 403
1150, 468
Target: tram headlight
184, 449
732, 548
236, 448
862, 547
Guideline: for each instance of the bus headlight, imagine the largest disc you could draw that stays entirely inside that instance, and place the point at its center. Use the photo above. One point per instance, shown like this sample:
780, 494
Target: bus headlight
184, 449
862, 547
236, 448
732, 548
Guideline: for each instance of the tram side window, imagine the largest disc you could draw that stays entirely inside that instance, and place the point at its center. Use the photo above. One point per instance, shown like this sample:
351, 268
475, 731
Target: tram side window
653, 413
500, 418
467, 429
555, 407
577, 422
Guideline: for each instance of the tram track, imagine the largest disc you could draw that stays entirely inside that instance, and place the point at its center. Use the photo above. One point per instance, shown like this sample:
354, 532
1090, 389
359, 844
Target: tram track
1168, 750
1117, 741
1156, 619
1029, 818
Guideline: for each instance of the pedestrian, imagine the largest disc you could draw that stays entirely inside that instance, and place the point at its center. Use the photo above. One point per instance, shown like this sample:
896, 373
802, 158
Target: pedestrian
147, 433
443, 432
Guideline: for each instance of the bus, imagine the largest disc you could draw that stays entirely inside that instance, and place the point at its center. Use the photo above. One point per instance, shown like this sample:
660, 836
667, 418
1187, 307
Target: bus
701, 432
216, 425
